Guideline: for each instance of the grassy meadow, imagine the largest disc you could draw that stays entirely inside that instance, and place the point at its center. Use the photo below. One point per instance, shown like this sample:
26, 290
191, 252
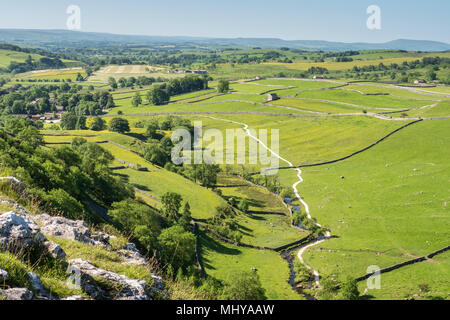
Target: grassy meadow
222, 260
387, 194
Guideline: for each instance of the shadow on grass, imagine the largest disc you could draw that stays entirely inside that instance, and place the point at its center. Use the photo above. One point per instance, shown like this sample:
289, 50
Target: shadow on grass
141, 187
265, 213
138, 136
210, 244
125, 178
245, 231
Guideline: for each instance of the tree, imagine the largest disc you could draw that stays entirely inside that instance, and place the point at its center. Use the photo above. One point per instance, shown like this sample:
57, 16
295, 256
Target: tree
137, 100
431, 75
112, 82
138, 220
152, 130
92, 155
32, 136
68, 121
155, 154
158, 96
29, 60
68, 156
223, 86
79, 77
243, 205
171, 204
123, 82
244, 285
59, 201
18, 107
119, 125
81, 123
96, 124
166, 144
177, 246
206, 174
186, 216
349, 290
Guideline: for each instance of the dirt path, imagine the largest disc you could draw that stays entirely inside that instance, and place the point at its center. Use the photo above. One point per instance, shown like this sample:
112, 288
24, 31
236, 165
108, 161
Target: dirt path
297, 194
300, 257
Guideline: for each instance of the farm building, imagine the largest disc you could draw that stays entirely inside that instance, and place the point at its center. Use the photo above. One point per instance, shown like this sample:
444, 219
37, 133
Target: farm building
48, 116
272, 97
419, 81
318, 77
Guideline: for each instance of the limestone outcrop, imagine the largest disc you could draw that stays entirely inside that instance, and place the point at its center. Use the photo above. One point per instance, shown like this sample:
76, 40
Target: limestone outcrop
87, 276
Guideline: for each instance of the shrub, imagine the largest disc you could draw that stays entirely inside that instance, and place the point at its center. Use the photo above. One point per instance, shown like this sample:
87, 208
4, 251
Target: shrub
223, 86
349, 290
59, 201
119, 125
244, 205
244, 286
177, 246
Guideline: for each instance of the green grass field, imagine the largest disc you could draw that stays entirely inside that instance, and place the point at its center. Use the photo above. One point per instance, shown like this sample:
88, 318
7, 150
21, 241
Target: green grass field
319, 106
207, 106
441, 109
8, 56
333, 66
379, 102
391, 206
246, 71
221, 261
300, 84
395, 91
398, 285
157, 181
257, 228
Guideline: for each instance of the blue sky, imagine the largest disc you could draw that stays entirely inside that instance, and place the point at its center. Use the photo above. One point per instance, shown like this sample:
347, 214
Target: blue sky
333, 20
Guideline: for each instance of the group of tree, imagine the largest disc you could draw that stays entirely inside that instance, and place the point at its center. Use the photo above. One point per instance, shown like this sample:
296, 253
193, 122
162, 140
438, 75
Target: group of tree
133, 81
64, 179
223, 86
160, 94
433, 62
46, 98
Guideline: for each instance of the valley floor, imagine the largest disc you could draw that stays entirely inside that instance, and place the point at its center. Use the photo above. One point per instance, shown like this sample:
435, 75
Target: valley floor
385, 201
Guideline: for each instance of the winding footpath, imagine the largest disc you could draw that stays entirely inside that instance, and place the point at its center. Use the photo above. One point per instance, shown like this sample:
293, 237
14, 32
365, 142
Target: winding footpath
297, 194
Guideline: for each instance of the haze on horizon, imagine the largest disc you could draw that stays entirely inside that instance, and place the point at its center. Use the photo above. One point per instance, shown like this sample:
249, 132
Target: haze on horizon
328, 20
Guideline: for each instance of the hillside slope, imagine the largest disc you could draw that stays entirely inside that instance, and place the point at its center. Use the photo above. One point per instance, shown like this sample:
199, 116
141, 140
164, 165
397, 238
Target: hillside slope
45, 257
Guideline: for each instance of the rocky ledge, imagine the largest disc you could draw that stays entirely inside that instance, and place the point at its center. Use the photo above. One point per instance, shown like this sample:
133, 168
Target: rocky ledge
102, 284
21, 232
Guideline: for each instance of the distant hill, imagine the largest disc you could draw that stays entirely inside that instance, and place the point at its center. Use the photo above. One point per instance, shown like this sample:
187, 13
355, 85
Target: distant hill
48, 38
